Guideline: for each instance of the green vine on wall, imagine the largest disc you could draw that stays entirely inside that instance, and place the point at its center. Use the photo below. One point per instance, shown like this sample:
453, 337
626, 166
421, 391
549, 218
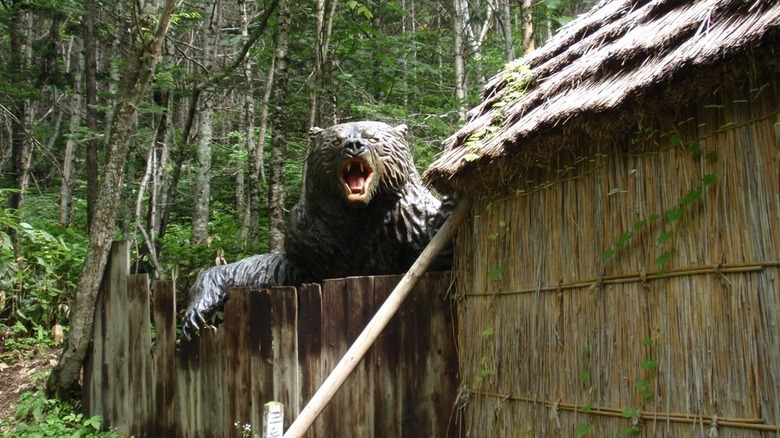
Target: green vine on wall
670, 216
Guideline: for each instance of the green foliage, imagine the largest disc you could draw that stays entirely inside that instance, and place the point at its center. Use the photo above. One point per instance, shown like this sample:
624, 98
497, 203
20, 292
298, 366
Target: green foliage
666, 239
39, 416
184, 261
485, 372
582, 429
359, 9
495, 273
39, 269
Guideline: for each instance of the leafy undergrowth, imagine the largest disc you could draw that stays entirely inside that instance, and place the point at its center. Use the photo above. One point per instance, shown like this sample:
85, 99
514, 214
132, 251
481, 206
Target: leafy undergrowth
25, 411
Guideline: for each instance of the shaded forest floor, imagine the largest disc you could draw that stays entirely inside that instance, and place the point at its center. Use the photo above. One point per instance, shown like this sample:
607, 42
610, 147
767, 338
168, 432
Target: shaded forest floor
21, 372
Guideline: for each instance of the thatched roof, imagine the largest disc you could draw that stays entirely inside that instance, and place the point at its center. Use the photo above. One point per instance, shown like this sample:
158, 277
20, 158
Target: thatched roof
623, 61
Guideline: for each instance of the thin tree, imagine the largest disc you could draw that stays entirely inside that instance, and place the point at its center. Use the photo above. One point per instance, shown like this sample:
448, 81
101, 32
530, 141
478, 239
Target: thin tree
321, 73
458, 25
147, 38
21, 146
91, 101
476, 30
506, 28
257, 175
243, 208
200, 213
68, 173
276, 189
528, 27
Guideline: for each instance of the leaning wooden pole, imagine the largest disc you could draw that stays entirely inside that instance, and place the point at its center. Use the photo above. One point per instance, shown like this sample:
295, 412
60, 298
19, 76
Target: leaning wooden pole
374, 328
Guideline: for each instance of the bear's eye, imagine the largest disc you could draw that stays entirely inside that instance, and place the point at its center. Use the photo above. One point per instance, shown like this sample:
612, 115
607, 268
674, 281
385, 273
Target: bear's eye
373, 140
339, 140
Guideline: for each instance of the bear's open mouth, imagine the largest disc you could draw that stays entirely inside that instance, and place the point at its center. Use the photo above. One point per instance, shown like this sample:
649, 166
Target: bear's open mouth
356, 175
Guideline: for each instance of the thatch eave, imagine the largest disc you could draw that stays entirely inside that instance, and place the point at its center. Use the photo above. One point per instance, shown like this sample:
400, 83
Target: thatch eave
603, 73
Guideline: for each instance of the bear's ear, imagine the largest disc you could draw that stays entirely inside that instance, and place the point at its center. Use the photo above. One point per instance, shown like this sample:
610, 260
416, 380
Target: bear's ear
402, 128
314, 131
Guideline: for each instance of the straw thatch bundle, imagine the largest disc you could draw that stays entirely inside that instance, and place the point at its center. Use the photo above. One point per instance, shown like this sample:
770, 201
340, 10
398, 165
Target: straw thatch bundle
623, 61
620, 274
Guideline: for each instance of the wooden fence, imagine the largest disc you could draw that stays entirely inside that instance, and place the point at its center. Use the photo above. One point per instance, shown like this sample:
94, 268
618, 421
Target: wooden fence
277, 344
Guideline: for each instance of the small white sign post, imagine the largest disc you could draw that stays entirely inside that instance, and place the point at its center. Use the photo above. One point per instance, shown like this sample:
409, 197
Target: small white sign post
273, 420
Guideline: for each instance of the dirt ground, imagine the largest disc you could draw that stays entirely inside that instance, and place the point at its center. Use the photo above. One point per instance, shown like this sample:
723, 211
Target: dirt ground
20, 372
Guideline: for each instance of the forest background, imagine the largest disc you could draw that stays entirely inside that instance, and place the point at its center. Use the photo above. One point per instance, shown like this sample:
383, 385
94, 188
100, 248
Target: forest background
215, 150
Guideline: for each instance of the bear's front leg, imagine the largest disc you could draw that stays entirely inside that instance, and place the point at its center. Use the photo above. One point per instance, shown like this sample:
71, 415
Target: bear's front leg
210, 290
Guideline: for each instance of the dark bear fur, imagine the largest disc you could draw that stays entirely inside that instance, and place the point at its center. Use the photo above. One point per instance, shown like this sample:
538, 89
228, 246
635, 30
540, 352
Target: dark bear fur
365, 211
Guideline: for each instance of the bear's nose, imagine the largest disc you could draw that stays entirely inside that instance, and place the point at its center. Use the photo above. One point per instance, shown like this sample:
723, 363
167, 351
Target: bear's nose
354, 147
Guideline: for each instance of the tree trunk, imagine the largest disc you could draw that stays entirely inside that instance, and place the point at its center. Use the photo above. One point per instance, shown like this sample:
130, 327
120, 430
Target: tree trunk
140, 64
153, 181
257, 175
244, 213
90, 100
178, 161
506, 27
460, 66
476, 32
157, 194
19, 106
200, 213
276, 187
321, 71
528, 28
68, 174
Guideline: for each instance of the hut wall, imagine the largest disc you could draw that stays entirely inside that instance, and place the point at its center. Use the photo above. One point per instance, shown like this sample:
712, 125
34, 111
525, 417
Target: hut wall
634, 290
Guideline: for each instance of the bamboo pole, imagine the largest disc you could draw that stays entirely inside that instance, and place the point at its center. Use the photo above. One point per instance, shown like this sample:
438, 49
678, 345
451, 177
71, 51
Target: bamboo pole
374, 328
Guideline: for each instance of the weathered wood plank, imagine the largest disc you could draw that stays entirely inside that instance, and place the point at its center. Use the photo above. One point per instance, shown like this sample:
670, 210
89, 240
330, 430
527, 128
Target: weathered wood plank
414, 339
216, 383
440, 361
274, 345
114, 346
334, 344
139, 363
359, 387
262, 358
386, 361
284, 312
310, 318
187, 390
164, 386
239, 359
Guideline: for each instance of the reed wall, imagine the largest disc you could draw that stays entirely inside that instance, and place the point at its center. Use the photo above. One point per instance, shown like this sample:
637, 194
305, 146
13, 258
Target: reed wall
634, 288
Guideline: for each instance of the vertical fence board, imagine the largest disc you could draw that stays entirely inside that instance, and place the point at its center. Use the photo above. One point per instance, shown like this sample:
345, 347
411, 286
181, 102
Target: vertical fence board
310, 346
164, 390
334, 344
441, 358
239, 377
108, 389
188, 367
284, 312
414, 337
214, 402
358, 393
386, 360
257, 363
262, 359
277, 344
139, 365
